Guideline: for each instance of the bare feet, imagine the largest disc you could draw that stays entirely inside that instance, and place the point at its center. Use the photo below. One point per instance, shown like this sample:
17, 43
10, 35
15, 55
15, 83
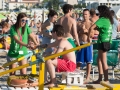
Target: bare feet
106, 81
47, 83
86, 82
50, 85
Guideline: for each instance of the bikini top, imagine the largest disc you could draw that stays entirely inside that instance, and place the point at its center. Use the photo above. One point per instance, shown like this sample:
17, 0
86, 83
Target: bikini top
50, 28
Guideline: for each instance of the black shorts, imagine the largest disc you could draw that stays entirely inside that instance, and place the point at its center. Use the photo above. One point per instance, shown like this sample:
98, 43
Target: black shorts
104, 46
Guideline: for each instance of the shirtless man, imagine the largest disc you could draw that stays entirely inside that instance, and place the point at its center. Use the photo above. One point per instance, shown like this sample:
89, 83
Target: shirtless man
67, 63
69, 23
94, 18
85, 54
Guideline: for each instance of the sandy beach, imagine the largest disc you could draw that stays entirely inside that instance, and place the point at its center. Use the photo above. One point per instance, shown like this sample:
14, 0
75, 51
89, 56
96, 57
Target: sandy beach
116, 79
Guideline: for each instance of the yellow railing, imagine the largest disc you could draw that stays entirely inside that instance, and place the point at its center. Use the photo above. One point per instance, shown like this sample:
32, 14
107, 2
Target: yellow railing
41, 72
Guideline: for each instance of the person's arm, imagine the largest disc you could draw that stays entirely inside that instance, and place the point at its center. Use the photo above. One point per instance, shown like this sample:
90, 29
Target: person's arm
60, 47
32, 36
118, 25
98, 24
19, 42
118, 28
54, 44
13, 33
75, 32
91, 31
58, 21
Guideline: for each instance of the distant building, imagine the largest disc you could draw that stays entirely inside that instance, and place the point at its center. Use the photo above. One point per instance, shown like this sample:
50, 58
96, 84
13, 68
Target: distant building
1, 4
16, 3
72, 2
95, 3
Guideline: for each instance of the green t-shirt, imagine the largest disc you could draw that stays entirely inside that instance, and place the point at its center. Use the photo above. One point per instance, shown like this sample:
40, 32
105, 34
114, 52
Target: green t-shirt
15, 50
105, 30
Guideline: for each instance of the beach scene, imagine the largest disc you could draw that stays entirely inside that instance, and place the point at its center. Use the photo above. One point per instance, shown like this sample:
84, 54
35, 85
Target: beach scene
59, 44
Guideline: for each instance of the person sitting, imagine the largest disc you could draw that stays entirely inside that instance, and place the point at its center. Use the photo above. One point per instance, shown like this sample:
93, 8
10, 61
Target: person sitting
68, 61
5, 40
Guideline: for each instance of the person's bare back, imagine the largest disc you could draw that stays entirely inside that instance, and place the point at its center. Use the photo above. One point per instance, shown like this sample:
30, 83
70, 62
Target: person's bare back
64, 43
67, 23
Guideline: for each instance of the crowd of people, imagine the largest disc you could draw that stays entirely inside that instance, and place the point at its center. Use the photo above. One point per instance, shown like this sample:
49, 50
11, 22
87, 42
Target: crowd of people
60, 34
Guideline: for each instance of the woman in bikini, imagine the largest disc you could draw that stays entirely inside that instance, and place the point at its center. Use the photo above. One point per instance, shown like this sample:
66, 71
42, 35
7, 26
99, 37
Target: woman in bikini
46, 29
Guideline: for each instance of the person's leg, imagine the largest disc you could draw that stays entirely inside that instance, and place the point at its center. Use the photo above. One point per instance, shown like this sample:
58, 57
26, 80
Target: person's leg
11, 67
5, 45
51, 64
100, 68
9, 59
88, 60
23, 70
45, 77
80, 58
88, 71
104, 64
78, 65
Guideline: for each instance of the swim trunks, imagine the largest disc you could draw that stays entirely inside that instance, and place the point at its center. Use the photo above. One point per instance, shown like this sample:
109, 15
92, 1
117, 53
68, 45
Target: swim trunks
65, 65
85, 55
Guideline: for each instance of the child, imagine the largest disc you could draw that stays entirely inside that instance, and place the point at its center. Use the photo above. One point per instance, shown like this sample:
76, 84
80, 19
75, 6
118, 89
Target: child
5, 40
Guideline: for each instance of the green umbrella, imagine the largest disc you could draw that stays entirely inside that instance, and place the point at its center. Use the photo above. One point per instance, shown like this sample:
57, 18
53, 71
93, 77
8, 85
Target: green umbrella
2, 17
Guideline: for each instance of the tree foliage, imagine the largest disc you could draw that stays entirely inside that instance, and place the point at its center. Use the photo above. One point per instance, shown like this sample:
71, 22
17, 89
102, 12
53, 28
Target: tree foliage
52, 4
80, 6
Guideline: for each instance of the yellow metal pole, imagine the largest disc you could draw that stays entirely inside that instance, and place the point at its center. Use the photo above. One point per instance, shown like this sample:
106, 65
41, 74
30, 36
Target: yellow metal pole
17, 60
46, 58
67, 51
41, 72
41, 76
33, 58
107, 85
14, 69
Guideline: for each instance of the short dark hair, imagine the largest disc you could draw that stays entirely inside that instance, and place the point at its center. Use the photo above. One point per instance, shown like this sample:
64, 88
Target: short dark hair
59, 30
86, 10
66, 8
92, 12
112, 12
52, 13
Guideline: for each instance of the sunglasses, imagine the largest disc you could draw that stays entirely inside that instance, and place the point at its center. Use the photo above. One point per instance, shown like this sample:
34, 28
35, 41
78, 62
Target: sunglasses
52, 32
24, 21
